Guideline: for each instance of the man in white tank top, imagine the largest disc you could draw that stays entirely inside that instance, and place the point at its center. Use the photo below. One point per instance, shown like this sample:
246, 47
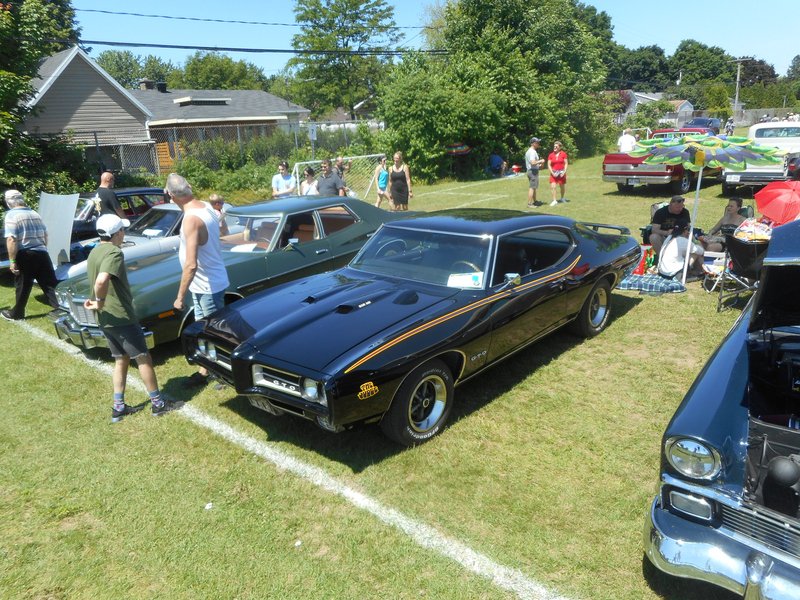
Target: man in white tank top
200, 255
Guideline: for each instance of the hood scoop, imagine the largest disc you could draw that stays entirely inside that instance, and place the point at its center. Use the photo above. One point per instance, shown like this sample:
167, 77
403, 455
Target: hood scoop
404, 297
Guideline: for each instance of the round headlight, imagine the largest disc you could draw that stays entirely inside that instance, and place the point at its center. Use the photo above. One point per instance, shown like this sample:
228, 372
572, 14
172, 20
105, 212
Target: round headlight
310, 390
692, 458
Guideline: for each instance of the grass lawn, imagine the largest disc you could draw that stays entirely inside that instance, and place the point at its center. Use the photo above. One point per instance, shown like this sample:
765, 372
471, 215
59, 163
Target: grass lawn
547, 468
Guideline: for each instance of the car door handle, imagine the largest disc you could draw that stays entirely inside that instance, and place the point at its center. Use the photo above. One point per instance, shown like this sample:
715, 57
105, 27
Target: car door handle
322, 251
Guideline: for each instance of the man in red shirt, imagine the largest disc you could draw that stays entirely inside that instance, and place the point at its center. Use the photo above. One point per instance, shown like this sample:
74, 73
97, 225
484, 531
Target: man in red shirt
557, 163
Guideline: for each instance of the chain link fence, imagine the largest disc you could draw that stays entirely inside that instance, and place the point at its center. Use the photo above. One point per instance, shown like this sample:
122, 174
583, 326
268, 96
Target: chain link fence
219, 147
359, 175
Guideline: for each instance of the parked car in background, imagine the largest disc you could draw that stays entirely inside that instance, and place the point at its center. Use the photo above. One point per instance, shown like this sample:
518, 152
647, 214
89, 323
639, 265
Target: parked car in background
711, 123
427, 304
156, 232
135, 201
727, 510
628, 171
278, 241
784, 135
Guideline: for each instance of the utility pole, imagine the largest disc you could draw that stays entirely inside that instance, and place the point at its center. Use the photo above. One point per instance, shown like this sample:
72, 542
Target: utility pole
738, 62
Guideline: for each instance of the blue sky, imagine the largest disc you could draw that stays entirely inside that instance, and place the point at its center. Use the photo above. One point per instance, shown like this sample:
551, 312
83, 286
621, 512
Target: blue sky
737, 26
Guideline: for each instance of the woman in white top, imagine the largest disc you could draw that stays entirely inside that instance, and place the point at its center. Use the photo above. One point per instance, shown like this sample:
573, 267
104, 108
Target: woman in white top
308, 187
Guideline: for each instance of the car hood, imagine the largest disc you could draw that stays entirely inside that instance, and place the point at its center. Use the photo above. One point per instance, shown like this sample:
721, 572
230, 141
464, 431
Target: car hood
314, 321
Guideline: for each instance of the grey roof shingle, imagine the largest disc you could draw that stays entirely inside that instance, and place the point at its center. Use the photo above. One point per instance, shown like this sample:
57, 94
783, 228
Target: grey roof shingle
243, 104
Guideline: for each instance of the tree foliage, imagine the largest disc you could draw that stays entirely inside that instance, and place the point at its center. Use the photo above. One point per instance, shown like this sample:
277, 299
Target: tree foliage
327, 81
794, 68
31, 30
216, 71
693, 62
124, 66
514, 69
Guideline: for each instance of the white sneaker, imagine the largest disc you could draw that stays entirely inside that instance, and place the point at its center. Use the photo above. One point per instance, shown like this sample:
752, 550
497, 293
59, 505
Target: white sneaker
563, 200
554, 203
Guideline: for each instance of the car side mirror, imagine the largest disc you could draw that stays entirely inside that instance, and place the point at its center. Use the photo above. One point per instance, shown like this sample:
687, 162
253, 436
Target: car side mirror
291, 243
512, 279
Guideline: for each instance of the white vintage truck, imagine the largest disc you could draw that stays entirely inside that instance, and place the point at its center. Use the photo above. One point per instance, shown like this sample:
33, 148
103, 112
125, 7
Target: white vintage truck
781, 134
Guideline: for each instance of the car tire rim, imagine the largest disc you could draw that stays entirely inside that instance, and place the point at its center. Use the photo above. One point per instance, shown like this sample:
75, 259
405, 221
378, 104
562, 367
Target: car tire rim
427, 404
599, 308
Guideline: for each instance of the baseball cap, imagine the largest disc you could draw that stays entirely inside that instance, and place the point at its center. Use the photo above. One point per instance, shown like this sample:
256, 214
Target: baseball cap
534, 139
108, 225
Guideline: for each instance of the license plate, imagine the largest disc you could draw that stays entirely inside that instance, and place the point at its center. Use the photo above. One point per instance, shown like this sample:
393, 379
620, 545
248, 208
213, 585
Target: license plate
732, 178
633, 181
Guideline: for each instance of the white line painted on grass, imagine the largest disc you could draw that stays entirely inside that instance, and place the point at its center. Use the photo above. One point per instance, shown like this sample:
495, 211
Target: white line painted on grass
424, 535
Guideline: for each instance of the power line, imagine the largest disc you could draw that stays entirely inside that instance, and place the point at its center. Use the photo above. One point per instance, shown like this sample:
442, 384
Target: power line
375, 52
209, 20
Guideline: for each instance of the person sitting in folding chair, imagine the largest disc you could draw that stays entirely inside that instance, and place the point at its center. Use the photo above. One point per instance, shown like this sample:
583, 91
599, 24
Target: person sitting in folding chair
743, 260
714, 240
673, 254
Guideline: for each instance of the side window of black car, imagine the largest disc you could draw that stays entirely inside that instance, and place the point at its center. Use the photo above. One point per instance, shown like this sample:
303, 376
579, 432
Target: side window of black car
530, 251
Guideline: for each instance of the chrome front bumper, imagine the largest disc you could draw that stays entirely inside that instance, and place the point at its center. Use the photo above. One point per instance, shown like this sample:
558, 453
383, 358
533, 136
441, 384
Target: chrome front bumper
692, 550
88, 337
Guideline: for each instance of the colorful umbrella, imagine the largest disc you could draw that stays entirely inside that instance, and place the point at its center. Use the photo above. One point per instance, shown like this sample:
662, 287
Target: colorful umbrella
696, 152
780, 201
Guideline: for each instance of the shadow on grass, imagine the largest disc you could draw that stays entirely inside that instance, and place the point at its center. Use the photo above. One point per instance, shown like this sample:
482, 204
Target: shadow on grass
365, 445
663, 191
676, 588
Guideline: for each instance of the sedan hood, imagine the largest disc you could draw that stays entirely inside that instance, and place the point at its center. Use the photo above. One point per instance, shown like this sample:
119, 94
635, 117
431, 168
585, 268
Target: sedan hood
314, 321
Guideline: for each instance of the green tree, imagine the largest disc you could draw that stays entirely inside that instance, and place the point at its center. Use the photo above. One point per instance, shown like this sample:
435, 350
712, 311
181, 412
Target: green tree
513, 69
124, 66
216, 71
645, 69
31, 30
355, 30
157, 69
794, 68
693, 62
755, 70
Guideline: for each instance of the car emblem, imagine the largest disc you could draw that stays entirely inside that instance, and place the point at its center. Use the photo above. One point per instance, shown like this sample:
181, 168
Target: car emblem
282, 384
368, 390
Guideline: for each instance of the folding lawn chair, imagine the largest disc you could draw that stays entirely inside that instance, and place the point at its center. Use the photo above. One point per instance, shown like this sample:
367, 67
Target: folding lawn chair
741, 268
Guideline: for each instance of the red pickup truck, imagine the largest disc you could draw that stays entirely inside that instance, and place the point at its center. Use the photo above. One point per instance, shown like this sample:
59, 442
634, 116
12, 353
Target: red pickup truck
628, 172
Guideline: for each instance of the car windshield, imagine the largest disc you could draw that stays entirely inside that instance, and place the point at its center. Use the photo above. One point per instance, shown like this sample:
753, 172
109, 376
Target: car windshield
438, 258
156, 223
84, 209
251, 234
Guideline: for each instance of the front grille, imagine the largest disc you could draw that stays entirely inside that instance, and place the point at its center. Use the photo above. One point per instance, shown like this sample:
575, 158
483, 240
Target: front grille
775, 532
81, 314
275, 379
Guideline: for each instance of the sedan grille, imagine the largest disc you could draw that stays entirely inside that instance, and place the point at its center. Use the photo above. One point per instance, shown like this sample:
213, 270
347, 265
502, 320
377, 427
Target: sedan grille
774, 532
81, 314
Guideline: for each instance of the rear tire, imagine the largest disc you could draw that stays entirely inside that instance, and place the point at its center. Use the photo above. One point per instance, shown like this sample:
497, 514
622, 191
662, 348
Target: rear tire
683, 185
595, 312
421, 406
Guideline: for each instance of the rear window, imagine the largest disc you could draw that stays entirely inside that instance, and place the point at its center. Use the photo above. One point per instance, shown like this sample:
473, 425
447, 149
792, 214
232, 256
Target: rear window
777, 132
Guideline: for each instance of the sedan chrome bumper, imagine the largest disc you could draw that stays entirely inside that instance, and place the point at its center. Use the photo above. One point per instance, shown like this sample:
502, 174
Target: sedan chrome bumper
684, 548
85, 336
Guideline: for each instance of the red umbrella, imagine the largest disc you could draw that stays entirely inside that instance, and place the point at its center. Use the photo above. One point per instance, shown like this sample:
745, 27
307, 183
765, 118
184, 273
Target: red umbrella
780, 201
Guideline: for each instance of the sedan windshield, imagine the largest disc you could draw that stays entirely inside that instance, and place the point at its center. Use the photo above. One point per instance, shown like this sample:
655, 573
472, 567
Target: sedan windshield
438, 258
156, 223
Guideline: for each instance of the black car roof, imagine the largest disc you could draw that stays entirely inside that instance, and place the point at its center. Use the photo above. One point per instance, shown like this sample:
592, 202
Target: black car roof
481, 221
128, 191
292, 204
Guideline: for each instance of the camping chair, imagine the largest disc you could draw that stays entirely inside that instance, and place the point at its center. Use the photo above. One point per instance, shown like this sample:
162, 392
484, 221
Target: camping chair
741, 268
647, 229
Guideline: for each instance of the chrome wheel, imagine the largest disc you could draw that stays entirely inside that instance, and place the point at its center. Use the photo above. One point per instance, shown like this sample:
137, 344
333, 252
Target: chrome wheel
598, 309
428, 403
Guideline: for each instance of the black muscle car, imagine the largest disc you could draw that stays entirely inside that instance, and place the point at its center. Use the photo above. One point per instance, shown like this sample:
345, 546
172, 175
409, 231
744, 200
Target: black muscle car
428, 303
727, 509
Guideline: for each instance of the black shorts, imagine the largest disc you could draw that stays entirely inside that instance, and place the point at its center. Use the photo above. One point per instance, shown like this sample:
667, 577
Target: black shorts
126, 340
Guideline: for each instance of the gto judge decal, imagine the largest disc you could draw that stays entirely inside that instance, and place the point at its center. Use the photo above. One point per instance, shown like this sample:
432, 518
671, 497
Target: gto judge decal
368, 390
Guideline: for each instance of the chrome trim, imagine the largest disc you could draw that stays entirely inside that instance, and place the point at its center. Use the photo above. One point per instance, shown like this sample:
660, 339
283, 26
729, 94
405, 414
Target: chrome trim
88, 337
685, 548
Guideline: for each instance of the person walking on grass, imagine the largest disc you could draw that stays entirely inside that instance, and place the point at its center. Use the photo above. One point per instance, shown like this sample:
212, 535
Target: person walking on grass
557, 164
381, 181
113, 303
26, 242
200, 255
